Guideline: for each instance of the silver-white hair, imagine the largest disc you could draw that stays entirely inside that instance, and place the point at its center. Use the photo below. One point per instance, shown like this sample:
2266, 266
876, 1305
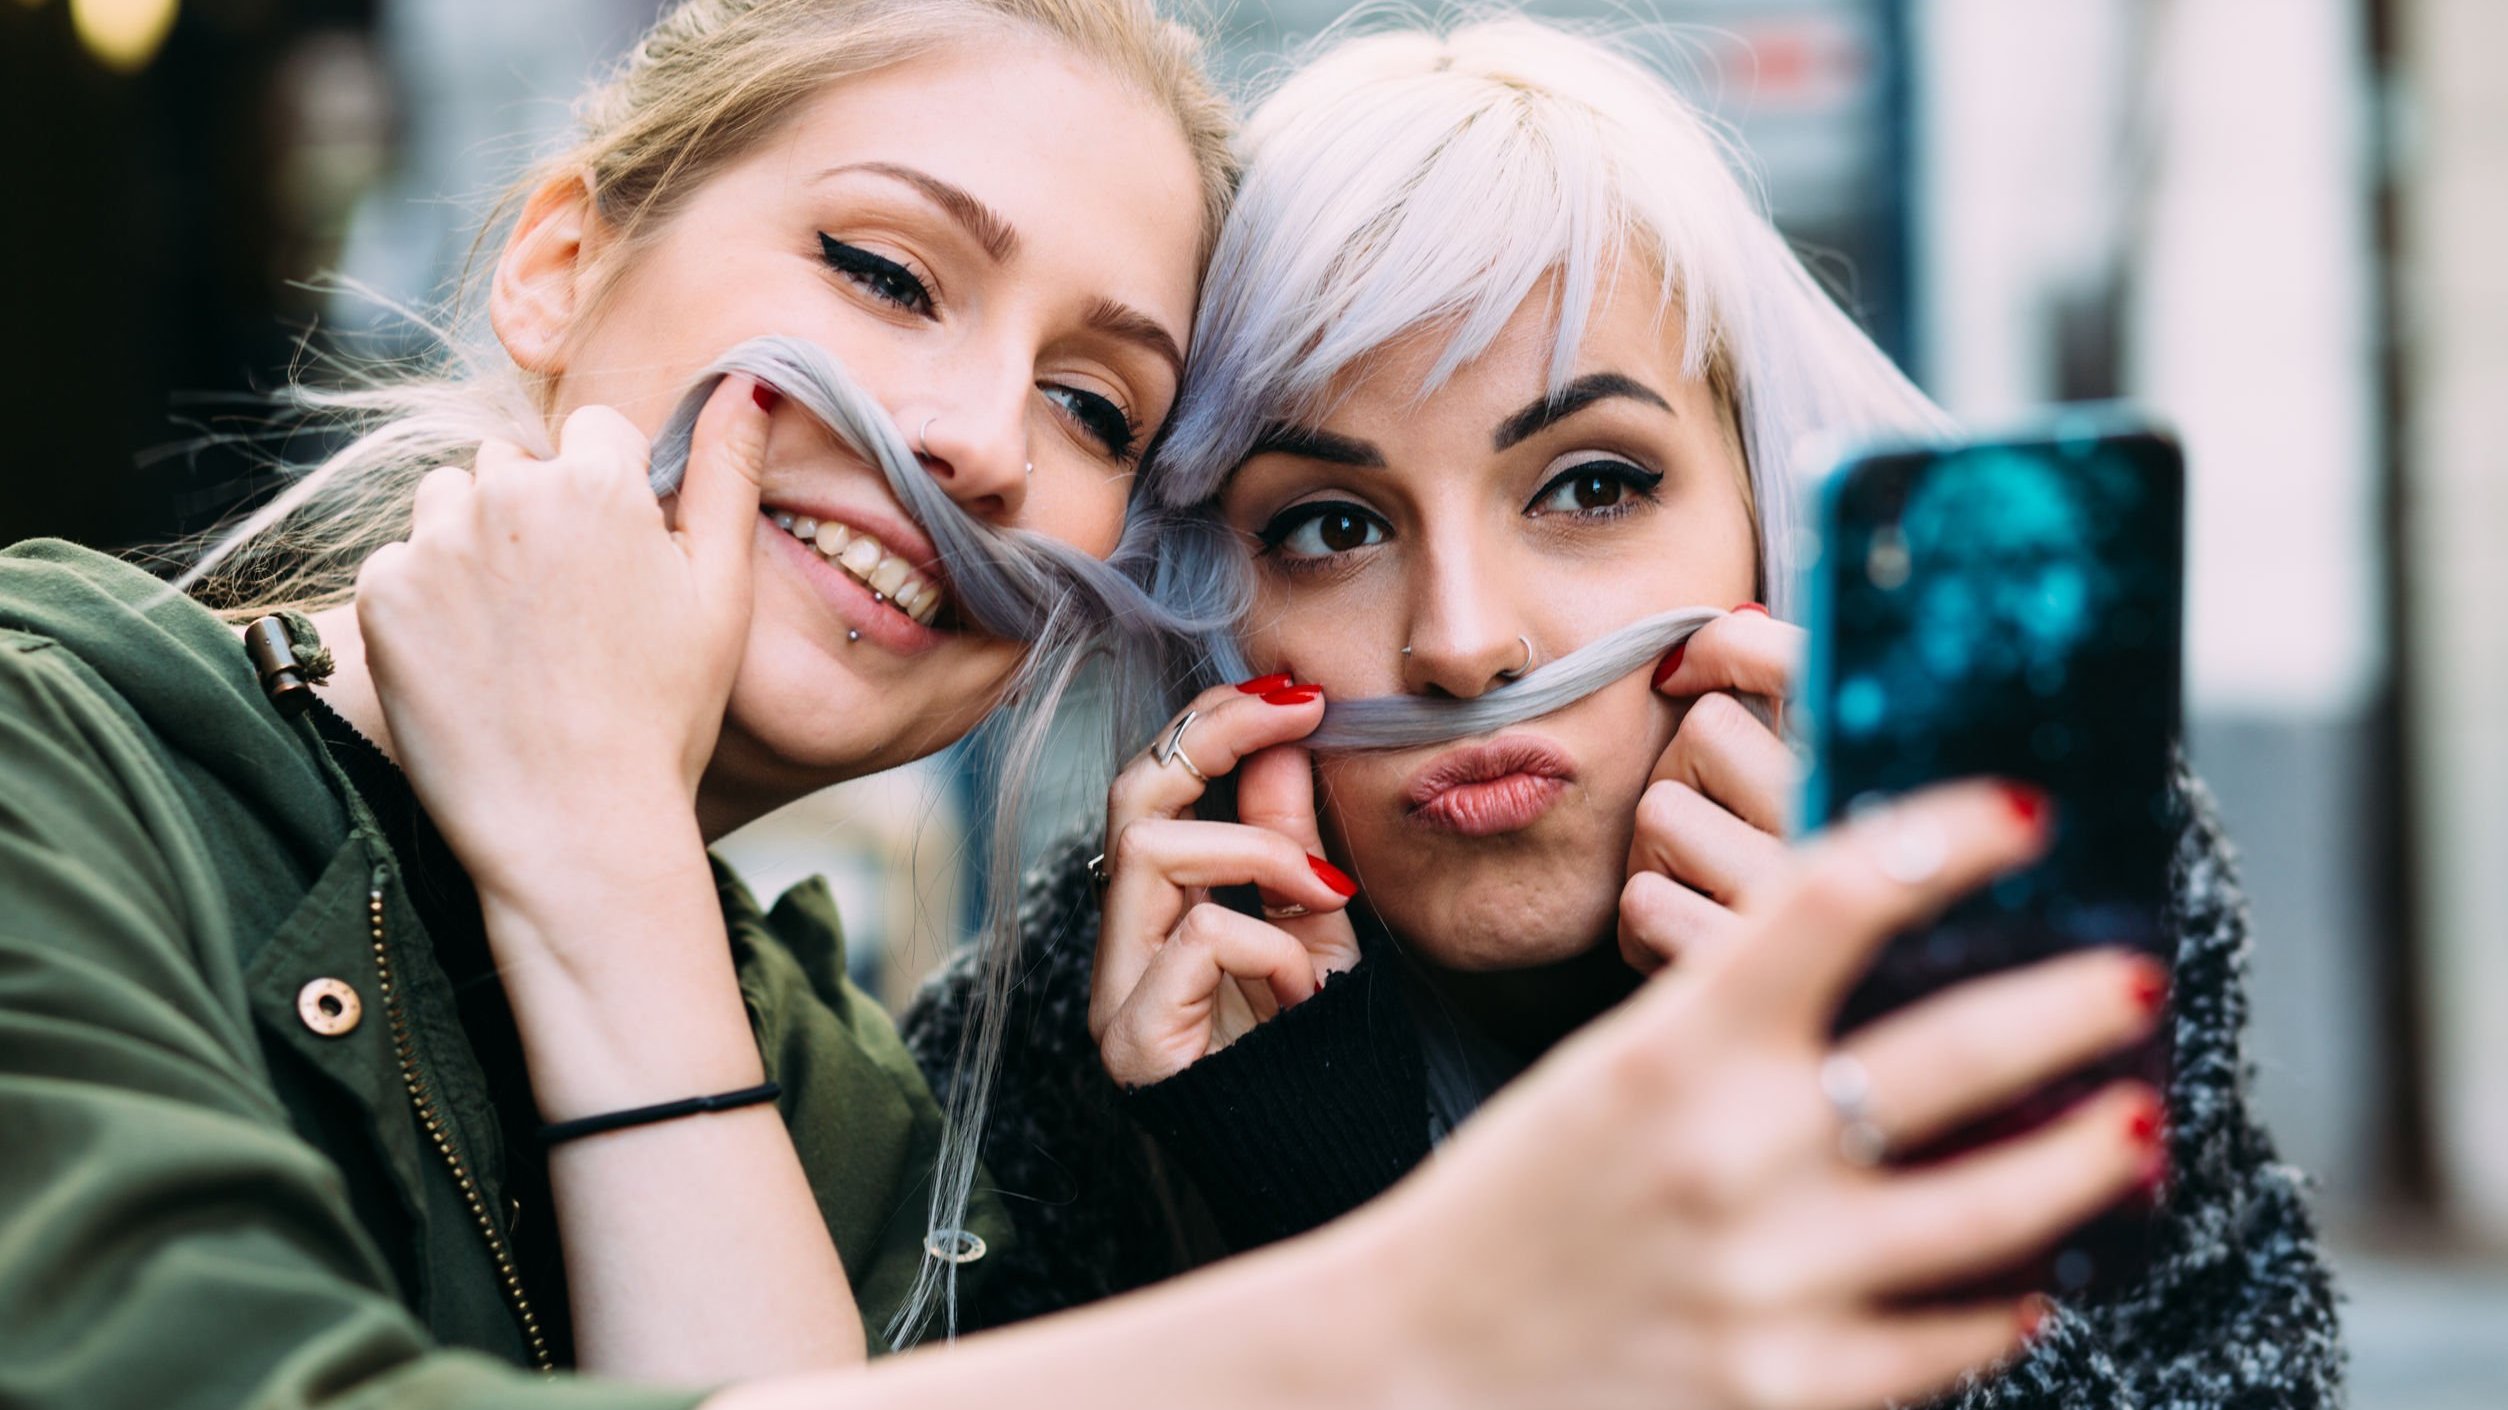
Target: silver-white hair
1417, 179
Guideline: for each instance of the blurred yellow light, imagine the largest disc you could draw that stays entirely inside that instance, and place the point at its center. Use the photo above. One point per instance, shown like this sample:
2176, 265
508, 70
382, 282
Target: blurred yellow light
123, 34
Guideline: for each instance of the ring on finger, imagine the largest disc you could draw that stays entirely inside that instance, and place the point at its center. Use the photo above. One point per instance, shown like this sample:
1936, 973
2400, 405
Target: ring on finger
1171, 750
1291, 911
1097, 871
1847, 1087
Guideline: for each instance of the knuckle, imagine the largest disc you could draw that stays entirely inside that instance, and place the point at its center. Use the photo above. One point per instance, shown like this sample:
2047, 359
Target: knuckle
1716, 717
1660, 808
1203, 924
1760, 1375
1133, 843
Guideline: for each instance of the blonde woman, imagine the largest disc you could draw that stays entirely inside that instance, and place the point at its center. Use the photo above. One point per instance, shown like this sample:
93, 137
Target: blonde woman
400, 1050
1495, 359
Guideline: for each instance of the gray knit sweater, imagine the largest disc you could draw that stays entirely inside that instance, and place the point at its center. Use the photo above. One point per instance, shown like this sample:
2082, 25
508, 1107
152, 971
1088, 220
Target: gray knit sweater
2236, 1310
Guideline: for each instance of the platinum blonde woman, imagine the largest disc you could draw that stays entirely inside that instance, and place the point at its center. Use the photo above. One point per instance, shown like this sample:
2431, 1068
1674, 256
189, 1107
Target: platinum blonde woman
407, 1050
1494, 358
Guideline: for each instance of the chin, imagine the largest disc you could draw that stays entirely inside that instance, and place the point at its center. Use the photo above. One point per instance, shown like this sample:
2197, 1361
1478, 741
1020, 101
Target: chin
1503, 924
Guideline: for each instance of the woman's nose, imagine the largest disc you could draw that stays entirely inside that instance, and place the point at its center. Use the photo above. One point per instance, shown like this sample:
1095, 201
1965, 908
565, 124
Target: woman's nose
977, 453
1464, 640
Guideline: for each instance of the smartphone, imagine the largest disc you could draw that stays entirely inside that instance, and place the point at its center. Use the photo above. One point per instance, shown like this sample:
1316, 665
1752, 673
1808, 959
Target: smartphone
2012, 608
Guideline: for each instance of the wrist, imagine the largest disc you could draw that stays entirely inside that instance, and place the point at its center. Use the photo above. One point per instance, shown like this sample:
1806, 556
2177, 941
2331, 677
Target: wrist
622, 981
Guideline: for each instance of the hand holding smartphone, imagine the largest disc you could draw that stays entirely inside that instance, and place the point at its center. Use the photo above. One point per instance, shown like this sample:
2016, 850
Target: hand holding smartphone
2012, 608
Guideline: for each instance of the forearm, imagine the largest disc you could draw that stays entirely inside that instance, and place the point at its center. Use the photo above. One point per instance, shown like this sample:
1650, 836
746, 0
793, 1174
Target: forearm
695, 1250
1314, 1323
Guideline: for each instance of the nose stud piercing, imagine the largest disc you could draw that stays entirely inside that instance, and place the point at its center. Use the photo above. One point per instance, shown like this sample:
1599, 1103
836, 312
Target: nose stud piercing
922, 438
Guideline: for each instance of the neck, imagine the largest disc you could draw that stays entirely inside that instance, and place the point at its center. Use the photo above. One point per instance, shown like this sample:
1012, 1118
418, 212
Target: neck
721, 806
1527, 1011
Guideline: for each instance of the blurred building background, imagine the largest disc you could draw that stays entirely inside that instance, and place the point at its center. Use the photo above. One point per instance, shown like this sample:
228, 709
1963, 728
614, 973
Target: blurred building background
2279, 223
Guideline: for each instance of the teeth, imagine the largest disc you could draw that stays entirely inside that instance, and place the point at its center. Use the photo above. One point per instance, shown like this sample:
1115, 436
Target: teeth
891, 579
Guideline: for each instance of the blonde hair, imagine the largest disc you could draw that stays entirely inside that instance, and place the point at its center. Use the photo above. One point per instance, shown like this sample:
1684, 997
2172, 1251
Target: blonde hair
709, 81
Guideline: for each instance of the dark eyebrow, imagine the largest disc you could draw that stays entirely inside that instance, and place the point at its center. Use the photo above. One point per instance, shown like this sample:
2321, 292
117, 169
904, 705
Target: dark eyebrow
981, 221
1308, 443
1570, 399
1130, 324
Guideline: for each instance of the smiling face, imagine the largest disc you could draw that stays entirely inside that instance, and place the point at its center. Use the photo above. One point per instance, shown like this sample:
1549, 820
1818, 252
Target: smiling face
1460, 527
1014, 282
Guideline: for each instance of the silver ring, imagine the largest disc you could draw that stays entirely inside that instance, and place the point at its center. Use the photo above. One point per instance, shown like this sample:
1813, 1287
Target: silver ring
1097, 871
1290, 911
1847, 1087
922, 441
1528, 661
1172, 751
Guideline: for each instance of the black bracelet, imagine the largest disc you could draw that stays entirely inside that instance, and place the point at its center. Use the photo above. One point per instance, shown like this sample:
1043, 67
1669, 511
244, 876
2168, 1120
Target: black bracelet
557, 1132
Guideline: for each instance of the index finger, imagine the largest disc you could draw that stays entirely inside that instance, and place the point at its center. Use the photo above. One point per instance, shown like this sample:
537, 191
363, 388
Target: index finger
1870, 877
1229, 723
1744, 650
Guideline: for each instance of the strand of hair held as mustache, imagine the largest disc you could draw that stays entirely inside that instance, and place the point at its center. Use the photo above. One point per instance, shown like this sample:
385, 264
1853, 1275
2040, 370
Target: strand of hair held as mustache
1013, 584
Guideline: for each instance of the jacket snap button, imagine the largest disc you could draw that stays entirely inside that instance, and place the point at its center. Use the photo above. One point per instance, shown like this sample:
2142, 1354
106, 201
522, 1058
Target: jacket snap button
329, 1007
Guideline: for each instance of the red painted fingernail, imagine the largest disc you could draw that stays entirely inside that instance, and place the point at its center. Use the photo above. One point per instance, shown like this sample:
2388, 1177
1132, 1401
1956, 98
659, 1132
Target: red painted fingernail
1754, 607
2148, 984
764, 395
1331, 876
2030, 805
2144, 1123
2035, 1313
1671, 663
1294, 695
1264, 685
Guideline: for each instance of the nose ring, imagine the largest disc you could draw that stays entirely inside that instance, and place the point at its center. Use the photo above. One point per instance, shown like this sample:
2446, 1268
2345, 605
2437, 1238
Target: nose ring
922, 445
1528, 661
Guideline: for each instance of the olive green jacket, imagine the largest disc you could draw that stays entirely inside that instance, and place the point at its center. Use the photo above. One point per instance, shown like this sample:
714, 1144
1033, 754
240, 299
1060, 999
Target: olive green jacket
209, 1197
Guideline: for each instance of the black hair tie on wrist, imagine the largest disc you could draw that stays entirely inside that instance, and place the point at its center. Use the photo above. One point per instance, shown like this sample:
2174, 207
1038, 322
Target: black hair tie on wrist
559, 1132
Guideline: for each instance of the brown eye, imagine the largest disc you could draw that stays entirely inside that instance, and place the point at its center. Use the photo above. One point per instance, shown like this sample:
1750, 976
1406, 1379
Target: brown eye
1320, 530
1600, 489
1341, 531
1598, 492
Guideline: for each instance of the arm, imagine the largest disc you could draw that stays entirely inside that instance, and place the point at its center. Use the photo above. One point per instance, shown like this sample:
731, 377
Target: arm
1658, 1213
552, 665
171, 1242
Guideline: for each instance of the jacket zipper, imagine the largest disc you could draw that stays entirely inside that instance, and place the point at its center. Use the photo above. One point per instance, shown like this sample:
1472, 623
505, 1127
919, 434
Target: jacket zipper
440, 1132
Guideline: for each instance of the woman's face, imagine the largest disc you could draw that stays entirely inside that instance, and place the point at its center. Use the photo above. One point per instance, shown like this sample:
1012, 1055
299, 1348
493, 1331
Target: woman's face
1000, 242
1410, 545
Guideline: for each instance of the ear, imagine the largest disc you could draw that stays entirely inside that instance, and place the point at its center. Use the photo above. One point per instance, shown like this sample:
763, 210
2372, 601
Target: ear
543, 277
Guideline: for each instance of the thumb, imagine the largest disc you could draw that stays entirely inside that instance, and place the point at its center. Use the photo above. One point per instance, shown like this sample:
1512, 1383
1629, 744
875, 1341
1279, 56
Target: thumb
718, 498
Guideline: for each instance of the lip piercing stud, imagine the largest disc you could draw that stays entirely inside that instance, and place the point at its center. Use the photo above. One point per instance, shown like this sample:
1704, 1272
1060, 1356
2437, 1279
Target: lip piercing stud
853, 635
